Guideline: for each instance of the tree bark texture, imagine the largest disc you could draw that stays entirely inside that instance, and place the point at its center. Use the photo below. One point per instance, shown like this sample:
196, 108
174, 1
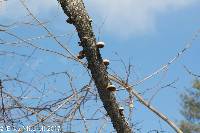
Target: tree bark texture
79, 17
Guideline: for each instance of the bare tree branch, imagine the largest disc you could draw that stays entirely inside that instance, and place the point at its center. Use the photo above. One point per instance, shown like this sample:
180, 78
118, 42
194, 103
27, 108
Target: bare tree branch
77, 13
133, 92
191, 73
174, 59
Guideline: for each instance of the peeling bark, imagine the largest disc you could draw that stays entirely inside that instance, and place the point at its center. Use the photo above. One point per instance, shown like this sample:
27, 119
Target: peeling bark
79, 17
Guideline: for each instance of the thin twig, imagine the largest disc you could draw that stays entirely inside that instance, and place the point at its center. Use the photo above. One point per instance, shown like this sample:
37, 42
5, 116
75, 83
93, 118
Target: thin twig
133, 92
165, 67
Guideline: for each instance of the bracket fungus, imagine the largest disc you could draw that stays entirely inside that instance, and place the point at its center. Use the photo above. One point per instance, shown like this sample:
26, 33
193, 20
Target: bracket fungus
100, 44
111, 88
106, 62
121, 108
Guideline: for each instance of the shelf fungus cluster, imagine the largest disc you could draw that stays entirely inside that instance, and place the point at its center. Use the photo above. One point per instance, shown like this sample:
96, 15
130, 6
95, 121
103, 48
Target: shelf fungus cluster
106, 62
99, 45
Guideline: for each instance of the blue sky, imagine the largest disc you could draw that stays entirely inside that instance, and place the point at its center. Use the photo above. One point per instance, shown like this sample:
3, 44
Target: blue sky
146, 34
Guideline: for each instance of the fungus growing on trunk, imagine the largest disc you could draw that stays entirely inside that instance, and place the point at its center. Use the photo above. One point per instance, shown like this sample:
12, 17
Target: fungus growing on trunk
100, 44
106, 62
111, 88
